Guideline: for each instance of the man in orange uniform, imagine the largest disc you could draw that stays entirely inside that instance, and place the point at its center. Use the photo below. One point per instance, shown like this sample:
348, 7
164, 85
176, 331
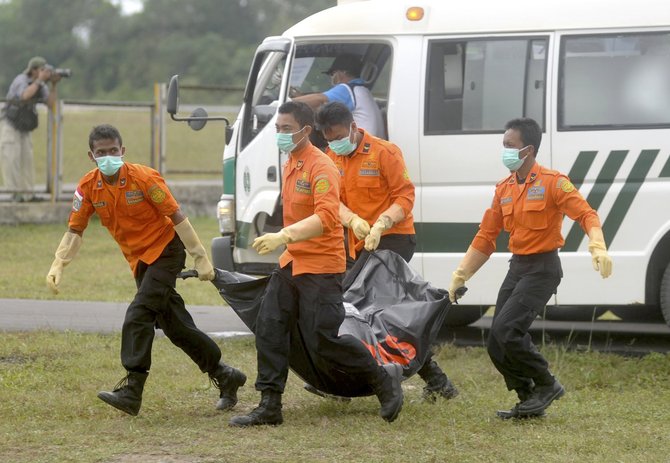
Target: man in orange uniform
136, 206
307, 287
530, 205
376, 189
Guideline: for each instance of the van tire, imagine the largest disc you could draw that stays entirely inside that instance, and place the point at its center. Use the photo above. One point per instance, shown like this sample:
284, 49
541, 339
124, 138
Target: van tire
664, 295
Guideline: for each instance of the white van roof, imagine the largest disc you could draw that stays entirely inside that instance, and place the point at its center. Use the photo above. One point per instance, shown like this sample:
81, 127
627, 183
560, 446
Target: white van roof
387, 17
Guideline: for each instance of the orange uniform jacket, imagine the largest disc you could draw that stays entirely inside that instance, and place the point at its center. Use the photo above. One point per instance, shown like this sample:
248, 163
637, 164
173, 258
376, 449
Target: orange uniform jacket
134, 210
311, 186
533, 212
373, 178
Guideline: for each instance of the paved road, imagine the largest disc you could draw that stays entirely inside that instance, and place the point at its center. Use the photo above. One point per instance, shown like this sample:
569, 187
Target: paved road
221, 321
102, 317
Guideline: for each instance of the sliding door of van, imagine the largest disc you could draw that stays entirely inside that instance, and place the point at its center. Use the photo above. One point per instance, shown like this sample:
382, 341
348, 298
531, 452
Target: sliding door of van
473, 86
612, 136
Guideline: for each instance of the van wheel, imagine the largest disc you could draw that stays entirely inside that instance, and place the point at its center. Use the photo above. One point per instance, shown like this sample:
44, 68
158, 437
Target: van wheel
462, 315
665, 295
572, 313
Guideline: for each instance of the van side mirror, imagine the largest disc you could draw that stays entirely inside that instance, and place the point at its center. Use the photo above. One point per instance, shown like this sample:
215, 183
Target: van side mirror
173, 95
198, 118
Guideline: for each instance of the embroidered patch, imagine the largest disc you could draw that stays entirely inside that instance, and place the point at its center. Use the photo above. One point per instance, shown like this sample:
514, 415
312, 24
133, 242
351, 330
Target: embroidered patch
303, 186
100, 204
156, 194
369, 172
366, 148
535, 193
532, 177
122, 182
566, 185
134, 196
299, 164
405, 174
322, 186
506, 200
76, 201
99, 184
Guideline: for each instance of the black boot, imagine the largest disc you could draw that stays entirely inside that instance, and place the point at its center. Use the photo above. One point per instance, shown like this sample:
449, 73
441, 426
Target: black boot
437, 383
267, 412
228, 380
542, 397
389, 392
127, 394
523, 394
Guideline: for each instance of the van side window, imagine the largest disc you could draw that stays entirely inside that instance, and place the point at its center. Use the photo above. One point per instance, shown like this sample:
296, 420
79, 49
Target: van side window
478, 85
620, 80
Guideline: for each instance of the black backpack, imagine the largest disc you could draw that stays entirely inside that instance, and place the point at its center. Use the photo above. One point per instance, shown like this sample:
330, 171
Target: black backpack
22, 115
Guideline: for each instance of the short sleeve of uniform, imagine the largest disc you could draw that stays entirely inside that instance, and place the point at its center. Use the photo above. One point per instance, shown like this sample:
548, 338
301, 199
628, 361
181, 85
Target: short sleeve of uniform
490, 227
571, 202
326, 193
82, 208
158, 192
342, 94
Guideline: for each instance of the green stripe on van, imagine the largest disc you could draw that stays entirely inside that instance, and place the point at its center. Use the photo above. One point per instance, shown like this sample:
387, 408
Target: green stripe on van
229, 176
665, 171
581, 166
596, 195
451, 237
627, 194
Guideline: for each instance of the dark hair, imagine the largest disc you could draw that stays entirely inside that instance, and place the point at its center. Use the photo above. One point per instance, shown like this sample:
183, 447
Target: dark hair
333, 113
530, 131
300, 111
104, 132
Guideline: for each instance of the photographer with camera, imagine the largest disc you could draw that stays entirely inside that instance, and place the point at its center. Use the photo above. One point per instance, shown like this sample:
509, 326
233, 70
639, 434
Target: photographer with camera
18, 118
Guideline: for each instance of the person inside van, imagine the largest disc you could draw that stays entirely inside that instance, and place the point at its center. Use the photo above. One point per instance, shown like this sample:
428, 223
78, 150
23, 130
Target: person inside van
350, 90
376, 202
529, 204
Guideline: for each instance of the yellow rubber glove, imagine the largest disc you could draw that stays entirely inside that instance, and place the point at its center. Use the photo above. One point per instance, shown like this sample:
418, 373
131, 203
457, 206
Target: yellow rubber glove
360, 227
67, 250
307, 228
382, 224
602, 262
195, 248
471, 262
270, 241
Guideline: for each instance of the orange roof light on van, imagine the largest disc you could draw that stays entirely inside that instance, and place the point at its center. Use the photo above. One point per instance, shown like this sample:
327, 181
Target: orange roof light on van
414, 13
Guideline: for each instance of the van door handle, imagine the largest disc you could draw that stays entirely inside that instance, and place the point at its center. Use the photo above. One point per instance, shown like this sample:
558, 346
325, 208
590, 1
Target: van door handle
272, 174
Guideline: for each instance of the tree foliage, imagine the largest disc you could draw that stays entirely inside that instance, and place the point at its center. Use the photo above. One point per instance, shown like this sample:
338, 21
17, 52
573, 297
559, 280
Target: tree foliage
117, 57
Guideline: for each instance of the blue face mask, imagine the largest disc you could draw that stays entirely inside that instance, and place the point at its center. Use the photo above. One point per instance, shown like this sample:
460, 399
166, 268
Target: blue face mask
109, 165
285, 141
343, 146
510, 158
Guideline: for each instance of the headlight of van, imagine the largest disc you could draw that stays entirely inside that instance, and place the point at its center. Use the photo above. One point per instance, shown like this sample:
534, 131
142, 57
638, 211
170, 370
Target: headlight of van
225, 214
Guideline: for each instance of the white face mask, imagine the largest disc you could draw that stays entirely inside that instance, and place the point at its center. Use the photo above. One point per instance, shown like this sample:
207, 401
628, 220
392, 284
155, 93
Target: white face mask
510, 158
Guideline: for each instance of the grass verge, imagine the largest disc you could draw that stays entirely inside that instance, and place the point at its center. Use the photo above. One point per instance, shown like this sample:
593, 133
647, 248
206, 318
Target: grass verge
616, 410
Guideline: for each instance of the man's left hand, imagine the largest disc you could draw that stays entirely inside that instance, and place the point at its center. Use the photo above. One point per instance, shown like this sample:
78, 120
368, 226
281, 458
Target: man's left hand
269, 242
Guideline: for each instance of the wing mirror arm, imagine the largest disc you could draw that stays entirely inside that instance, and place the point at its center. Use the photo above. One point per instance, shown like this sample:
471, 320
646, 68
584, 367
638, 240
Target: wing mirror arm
198, 118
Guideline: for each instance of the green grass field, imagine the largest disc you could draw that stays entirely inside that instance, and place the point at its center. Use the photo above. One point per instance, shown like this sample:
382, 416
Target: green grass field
616, 409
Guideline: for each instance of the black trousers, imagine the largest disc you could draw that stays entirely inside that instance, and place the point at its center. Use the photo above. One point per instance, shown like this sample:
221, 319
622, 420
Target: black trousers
314, 302
158, 304
530, 282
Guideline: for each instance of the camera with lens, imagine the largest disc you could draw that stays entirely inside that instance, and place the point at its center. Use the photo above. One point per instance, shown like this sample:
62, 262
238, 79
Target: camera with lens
63, 72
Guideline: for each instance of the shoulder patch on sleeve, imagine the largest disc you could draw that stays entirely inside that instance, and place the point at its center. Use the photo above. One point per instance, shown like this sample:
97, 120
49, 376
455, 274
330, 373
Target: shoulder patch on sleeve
322, 186
565, 185
76, 201
156, 194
